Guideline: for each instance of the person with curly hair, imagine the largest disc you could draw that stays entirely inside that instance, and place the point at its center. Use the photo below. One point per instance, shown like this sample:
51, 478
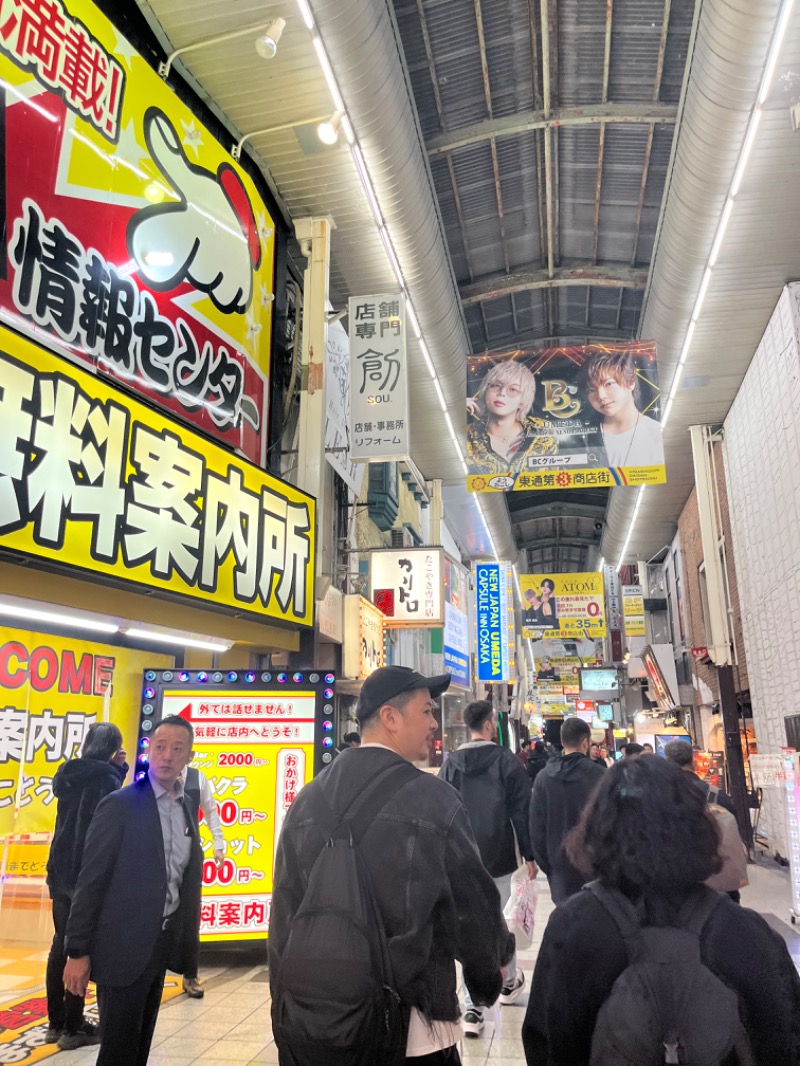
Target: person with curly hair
504, 433
646, 833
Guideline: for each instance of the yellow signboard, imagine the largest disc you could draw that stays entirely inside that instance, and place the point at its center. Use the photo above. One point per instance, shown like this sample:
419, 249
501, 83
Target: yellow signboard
559, 605
96, 481
52, 689
257, 751
136, 245
633, 610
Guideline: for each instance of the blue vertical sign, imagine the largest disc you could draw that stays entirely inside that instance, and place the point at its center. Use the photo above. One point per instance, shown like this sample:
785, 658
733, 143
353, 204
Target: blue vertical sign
491, 600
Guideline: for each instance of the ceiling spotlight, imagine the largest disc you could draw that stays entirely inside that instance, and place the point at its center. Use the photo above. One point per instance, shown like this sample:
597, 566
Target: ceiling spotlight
267, 43
328, 132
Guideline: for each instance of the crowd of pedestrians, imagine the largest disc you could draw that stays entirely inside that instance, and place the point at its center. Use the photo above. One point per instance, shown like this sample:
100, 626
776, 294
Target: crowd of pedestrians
387, 876
632, 849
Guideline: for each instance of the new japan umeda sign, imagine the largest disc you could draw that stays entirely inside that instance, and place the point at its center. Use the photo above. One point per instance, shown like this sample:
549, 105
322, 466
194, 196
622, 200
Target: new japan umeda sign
94, 480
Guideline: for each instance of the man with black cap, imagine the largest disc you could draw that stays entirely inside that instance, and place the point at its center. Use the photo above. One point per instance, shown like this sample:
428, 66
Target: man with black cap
437, 901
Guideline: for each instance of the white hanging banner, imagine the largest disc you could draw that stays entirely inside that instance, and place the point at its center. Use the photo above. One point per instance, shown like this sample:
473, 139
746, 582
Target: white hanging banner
378, 379
337, 408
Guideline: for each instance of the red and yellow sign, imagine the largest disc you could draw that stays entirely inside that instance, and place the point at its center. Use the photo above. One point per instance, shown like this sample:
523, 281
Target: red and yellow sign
52, 689
257, 750
136, 245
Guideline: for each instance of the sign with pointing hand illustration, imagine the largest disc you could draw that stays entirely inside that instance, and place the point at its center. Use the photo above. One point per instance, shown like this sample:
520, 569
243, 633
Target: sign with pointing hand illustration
136, 246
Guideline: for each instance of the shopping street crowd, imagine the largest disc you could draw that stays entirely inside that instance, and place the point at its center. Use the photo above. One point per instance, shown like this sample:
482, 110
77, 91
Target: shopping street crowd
387, 876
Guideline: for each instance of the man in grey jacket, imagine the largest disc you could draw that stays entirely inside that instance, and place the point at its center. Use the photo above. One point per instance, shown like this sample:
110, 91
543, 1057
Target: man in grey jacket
496, 791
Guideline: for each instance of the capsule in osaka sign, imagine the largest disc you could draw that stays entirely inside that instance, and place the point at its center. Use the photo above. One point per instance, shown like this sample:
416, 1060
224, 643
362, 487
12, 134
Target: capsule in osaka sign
494, 621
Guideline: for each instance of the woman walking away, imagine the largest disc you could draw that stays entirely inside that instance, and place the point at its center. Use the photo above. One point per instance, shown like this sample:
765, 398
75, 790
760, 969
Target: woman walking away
78, 785
685, 975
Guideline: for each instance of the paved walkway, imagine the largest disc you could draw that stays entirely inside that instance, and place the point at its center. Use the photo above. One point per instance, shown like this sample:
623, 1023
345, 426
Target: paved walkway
231, 1025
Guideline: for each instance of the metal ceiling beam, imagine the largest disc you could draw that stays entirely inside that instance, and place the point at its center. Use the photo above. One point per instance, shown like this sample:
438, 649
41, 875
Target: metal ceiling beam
556, 542
601, 147
544, 510
565, 334
608, 275
525, 121
662, 52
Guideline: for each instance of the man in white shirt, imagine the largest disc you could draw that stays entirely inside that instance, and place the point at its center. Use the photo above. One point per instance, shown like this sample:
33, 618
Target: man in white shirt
630, 438
200, 797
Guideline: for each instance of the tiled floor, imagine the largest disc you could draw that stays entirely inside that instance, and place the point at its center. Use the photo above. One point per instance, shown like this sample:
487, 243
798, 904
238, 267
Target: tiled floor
231, 1026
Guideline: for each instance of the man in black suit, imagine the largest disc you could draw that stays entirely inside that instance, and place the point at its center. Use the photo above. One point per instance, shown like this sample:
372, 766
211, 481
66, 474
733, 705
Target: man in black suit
135, 910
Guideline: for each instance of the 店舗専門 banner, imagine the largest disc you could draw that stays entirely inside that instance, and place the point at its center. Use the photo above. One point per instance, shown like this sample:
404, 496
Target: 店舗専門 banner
136, 245
378, 378
564, 418
559, 605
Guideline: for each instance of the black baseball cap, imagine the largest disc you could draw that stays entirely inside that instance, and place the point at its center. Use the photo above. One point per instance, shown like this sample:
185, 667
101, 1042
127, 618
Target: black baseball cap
388, 681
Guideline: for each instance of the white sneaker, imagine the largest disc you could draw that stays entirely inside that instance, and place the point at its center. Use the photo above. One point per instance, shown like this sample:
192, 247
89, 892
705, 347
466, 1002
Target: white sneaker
512, 992
472, 1024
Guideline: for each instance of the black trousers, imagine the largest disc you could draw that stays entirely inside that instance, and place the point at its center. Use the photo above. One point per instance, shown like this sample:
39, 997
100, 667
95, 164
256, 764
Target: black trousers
448, 1057
64, 1011
128, 1015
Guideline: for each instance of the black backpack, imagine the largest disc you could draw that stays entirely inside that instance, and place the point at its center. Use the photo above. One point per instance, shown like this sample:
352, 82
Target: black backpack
666, 1007
334, 1001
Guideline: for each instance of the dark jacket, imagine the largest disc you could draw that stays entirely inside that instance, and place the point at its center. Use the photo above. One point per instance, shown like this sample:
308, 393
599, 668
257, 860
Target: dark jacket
496, 791
117, 909
536, 763
558, 798
437, 901
574, 975
78, 785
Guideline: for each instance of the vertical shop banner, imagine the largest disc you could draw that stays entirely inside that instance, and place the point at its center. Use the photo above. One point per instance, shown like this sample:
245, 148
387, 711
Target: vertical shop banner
613, 592
95, 481
362, 650
257, 750
337, 409
494, 610
564, 418
51, 690
559, 605
378, 379
633, 610
456, 622
406, 585
136, 245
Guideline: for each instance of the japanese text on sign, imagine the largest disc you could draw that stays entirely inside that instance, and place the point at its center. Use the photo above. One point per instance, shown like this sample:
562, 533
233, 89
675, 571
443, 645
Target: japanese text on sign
41, 36
92, 479
407, 586
378, 378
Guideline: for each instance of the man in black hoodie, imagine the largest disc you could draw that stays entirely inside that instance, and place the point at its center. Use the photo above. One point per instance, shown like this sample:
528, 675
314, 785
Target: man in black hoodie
495, 789
78, 785
558, 798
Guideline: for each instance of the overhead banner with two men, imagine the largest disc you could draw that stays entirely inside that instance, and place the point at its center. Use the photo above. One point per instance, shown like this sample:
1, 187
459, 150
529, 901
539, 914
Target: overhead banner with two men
574, 417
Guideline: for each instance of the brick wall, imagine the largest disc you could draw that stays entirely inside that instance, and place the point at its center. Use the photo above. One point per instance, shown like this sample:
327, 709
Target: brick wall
762, 432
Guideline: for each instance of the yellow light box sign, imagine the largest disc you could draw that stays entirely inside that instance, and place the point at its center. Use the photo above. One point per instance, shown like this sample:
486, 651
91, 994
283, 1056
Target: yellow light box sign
93, 480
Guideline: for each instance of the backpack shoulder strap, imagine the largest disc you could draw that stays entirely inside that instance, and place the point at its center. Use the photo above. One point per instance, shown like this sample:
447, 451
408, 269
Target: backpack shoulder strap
698, 909
625, 915
372, 801
365, 806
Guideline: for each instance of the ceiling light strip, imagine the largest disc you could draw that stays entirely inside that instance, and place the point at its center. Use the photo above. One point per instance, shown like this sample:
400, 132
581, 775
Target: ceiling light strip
372, 200
745, 152
135, 633
68, 621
